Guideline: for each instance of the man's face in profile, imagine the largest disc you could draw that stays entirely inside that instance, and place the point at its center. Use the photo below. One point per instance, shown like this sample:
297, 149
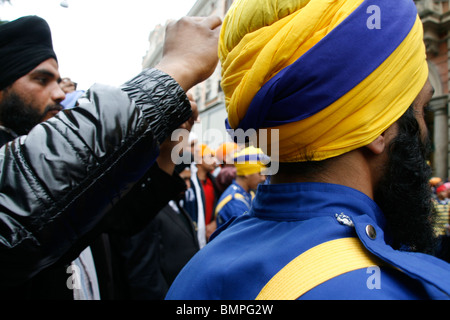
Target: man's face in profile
31, 99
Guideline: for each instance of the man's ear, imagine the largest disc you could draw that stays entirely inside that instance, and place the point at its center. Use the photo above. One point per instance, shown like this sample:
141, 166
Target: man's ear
378, 145
383, 140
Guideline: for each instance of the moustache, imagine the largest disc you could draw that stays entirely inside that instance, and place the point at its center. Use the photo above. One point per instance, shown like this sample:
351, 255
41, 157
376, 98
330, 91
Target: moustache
51, 108
56, 107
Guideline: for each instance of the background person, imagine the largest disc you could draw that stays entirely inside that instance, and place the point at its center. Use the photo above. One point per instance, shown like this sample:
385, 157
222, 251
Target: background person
224, 154
237, 198
52, 210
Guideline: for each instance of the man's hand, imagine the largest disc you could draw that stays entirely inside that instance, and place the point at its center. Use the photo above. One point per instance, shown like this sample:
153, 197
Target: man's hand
190, 49
164, 160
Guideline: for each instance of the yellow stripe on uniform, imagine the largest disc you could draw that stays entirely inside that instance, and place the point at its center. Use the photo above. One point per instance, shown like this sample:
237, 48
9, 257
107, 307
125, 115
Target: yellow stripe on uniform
317, 265
222, 203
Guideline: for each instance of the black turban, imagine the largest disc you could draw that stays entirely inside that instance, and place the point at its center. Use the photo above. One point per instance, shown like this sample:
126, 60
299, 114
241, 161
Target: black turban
24, 44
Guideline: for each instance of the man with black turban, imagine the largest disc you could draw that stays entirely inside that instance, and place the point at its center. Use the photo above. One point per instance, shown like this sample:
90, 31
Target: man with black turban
29, 77
63, 175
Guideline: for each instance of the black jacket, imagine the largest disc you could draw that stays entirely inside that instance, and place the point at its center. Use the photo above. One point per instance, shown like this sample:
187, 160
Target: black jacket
145, 264
59, 183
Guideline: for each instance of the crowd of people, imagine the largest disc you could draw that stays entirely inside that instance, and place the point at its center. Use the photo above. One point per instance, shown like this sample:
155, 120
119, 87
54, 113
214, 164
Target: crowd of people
136, 250
94, 206
441, 219
97, 170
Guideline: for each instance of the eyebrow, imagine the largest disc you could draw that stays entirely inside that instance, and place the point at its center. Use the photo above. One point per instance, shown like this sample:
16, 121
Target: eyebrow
46, 73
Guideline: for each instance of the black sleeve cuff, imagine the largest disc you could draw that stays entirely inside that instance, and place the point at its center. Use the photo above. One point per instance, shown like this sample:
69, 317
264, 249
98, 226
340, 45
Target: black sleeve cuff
161, 99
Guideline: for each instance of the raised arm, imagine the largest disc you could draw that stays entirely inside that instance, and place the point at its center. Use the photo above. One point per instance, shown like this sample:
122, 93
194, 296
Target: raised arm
59, 182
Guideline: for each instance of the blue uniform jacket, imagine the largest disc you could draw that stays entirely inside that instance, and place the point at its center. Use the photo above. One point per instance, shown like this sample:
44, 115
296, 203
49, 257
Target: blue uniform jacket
285, 221
233, 202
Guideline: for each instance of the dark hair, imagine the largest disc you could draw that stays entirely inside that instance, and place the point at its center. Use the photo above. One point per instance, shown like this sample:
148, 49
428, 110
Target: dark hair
404, 195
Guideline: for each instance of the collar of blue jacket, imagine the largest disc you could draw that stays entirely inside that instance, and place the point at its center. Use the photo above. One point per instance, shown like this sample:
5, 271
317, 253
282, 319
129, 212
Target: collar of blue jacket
287, 220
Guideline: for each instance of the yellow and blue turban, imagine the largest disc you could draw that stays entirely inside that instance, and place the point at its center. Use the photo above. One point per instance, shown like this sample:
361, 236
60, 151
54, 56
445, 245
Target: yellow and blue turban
331, 75
250, 160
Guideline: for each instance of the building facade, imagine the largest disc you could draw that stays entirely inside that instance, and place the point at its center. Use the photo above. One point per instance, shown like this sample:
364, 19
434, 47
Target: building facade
435, 15
210, 128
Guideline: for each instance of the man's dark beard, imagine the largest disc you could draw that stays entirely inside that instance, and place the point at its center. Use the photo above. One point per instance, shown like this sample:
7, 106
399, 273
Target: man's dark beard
404, 195
17, 115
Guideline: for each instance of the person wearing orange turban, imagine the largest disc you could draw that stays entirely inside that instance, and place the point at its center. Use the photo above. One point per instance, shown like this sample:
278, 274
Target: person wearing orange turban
224, 154
206, 163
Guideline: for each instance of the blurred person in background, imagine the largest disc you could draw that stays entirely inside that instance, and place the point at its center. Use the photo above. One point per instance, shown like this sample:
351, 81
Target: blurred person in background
442, 221
237, 198
54, 200
227, 173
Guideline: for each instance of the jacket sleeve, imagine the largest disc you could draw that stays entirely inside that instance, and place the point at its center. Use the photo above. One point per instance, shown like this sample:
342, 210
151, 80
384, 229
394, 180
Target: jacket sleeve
147, 197
59, 182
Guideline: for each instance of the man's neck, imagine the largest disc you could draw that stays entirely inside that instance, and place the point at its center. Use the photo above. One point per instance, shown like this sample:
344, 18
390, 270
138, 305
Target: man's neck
202, 174
242, 182
352, 169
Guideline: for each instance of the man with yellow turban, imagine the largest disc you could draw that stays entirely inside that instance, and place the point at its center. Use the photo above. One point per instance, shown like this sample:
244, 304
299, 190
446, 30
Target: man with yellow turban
348, 215
237, 198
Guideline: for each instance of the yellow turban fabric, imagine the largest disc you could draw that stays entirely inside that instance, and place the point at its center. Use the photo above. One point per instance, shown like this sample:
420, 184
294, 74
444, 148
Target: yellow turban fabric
249, 160
330, 75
